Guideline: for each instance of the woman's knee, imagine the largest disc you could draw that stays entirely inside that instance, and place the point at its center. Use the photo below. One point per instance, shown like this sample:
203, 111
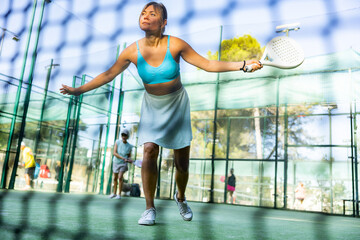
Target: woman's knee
115, 177
151, 151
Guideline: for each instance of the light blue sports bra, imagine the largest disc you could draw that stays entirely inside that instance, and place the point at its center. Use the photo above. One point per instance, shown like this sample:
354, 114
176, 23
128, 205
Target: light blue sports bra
166, 72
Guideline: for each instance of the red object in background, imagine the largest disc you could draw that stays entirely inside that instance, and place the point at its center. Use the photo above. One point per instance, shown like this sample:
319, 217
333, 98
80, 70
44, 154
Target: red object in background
44, 171
222, 178
230, 188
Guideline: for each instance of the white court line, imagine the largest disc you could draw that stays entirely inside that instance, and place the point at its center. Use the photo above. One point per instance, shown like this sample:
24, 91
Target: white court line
309, 221
292, 219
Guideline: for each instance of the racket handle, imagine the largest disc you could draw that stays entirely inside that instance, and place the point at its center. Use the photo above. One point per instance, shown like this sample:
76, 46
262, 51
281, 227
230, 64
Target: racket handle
249, 67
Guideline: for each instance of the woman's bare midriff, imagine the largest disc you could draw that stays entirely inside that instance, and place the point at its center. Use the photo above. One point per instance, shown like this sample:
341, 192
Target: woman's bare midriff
164, 88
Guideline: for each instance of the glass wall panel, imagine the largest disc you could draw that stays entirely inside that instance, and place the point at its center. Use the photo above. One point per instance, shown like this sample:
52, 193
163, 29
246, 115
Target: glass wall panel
82, 164
199, 184
340, 130
48, 155
254, 183
203, 132
167, 174
242, 139
221, 139
252, 133
4, 135
326, 182
219, 183
29, 140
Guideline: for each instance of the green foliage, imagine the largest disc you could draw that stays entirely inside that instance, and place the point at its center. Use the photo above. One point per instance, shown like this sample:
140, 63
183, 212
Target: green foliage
339, 189
238, 49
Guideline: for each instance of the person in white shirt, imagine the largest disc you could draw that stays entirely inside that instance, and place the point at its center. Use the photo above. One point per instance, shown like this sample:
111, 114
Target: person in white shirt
122, 154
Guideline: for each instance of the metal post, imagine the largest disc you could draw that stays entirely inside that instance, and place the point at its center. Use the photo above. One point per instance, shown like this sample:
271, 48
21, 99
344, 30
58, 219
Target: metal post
65, 142
159, 171
172, 182
227, 158
17, 99
118, 122
96, 174
356, 177
135, 156
276, 141
76, 132
261, 166
331, 163
204, 162
352, 160
72, 133
49, 142
285, 156
121, 102
91, 163
27, 100
37, 138
106, 140
215, 126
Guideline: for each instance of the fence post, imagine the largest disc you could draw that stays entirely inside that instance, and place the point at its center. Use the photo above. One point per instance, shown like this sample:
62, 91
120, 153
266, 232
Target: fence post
27, 99
17, 99
215, 127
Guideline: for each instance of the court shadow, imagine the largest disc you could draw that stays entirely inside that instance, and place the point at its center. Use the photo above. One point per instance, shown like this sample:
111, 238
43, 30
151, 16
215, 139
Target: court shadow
119, 218
83, 220
205, 218
160, 209
320, 227
3, 195
24, 225
259, 228
52, 216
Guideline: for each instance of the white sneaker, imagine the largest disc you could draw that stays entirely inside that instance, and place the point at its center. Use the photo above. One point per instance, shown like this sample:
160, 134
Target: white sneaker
184, 209
148, 217
112, 196
117, 197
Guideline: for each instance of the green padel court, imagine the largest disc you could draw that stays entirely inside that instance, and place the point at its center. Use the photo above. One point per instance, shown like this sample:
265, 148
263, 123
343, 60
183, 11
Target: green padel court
40, 215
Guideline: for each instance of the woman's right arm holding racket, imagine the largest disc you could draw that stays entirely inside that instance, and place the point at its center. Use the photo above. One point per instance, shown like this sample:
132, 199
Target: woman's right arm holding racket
119, 66
192, 57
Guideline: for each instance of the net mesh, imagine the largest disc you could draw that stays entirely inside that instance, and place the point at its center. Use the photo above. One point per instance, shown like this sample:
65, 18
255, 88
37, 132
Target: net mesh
267, 116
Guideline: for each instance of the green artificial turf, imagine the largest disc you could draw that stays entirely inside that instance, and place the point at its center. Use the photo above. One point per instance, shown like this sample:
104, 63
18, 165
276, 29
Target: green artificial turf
41, 215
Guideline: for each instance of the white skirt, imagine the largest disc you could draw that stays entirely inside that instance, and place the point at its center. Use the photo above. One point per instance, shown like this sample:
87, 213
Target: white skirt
165, 120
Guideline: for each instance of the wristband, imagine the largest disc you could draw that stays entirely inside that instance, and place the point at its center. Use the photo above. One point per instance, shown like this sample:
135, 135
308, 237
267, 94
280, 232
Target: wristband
243, 67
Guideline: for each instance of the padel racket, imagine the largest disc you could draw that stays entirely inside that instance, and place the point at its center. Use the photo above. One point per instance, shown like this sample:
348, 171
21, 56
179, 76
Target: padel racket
138, 163
281, 52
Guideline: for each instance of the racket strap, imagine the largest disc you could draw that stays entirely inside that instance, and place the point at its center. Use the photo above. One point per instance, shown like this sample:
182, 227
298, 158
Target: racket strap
243, 67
